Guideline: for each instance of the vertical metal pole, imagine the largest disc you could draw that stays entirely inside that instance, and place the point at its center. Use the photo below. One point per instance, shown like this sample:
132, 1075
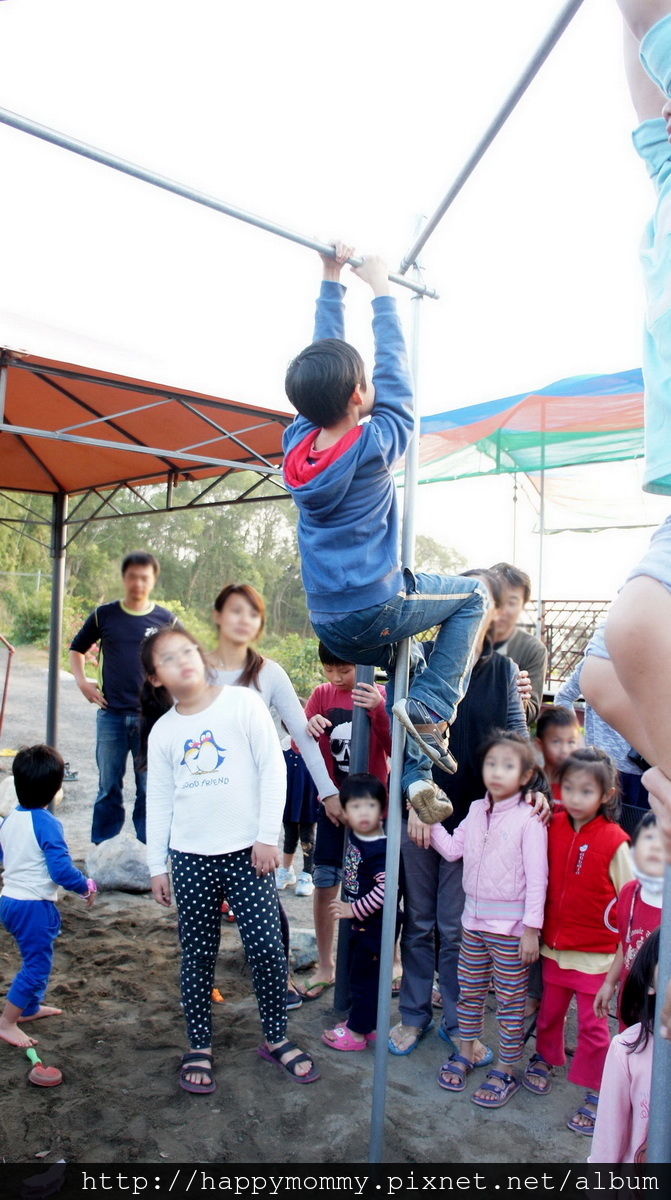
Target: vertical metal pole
58, 524
378, 1102
359, 752
659, 1127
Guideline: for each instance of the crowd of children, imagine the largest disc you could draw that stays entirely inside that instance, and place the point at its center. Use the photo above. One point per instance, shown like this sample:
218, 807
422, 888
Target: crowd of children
563, 887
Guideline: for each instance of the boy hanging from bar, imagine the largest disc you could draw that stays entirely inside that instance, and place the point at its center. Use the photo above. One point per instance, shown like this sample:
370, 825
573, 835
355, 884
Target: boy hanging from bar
630, 685
338, 468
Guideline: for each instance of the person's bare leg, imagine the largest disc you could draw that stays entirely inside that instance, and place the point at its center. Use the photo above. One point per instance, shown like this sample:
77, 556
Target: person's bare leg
606, 695
638, 639
9, 1030
325, 927
641, 15
287, 861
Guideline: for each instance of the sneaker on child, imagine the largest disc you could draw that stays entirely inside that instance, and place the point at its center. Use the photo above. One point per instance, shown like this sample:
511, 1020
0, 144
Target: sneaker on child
284, 877
304, 885
429, 731
430, 804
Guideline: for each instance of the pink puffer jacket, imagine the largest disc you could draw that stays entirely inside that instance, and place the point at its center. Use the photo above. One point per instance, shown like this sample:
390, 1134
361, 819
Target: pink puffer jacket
504, 848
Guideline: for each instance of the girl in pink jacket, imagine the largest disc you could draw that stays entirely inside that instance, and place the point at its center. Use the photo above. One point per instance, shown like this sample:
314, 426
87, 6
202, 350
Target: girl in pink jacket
504, 848
621, 1128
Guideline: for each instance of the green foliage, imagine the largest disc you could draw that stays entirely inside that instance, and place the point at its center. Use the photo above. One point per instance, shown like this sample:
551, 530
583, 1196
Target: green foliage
200, 548
298, 655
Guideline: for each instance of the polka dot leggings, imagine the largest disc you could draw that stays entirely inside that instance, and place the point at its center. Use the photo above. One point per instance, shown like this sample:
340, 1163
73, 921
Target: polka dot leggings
200, 884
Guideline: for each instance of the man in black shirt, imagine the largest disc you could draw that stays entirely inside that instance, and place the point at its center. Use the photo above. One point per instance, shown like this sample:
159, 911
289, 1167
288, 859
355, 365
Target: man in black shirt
120, 627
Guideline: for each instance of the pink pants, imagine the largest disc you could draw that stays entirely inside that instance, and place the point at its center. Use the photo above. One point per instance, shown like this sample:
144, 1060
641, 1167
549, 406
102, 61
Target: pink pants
593, 1033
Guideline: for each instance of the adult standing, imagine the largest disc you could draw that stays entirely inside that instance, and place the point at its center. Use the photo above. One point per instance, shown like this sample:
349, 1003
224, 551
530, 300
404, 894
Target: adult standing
120, 628
523, 648
433, 893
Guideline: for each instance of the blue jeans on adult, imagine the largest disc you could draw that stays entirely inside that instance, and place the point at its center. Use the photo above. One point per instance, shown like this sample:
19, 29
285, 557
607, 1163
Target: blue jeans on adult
455, 603
117, 736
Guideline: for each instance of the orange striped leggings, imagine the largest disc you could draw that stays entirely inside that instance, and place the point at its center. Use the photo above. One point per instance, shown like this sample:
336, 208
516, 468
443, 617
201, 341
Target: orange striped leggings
482, 955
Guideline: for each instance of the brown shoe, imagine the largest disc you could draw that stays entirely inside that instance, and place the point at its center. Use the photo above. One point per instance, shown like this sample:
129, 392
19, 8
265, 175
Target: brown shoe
431, 805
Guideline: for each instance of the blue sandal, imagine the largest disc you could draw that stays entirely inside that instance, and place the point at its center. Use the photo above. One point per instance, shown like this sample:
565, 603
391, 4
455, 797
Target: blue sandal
583, 1111
532, 1072
500, 1095
455, 1065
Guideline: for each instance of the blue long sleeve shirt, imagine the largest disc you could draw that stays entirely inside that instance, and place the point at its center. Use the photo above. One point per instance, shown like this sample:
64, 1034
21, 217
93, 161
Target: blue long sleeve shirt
348, 528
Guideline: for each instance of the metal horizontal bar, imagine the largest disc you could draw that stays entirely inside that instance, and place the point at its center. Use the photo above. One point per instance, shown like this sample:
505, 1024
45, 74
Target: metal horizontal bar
179, 189
549, 42
100, 443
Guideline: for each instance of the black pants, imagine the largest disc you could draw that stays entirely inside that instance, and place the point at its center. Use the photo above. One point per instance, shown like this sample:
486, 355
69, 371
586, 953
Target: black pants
201, 882
292, 831
364, 976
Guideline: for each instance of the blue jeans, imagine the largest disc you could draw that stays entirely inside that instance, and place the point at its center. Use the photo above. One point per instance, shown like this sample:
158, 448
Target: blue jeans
455, 603
117, 736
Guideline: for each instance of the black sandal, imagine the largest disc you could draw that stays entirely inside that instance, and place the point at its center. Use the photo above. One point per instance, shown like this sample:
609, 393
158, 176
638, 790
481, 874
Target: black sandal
290, 1067
192, 1064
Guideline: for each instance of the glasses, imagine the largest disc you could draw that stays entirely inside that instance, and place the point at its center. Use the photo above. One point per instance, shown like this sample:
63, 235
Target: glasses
187, 652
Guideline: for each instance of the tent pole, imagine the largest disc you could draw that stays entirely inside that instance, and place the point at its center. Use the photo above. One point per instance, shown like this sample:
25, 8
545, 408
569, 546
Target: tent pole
541, 541
659, 1127
25, 125
58, 524
547, 45
394, 821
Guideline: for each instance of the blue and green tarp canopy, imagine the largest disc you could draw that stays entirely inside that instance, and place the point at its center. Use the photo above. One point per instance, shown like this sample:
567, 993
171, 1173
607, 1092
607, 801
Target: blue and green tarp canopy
584, 419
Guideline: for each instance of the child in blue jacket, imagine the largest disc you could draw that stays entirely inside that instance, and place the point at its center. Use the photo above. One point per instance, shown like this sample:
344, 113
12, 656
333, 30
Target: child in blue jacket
36, 861
339, 472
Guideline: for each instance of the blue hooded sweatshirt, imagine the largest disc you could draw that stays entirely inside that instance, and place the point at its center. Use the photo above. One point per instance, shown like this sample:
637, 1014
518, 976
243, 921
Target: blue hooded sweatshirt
348, 529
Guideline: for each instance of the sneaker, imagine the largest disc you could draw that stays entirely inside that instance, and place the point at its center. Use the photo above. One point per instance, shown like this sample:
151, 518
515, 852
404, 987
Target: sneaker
433, 736
304, 885
284, 877
430, 804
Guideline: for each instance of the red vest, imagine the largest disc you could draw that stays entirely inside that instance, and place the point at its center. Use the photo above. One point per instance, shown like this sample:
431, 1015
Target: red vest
580, 904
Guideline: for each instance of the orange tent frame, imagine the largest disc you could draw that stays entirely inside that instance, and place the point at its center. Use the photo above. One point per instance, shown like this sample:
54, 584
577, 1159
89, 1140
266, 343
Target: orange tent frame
68, 430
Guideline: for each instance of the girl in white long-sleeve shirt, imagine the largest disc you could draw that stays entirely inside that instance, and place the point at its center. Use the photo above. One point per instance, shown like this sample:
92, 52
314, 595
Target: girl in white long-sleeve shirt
215, 795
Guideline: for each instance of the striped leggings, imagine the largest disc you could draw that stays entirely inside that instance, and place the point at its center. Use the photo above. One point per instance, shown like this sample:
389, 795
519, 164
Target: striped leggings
482, 954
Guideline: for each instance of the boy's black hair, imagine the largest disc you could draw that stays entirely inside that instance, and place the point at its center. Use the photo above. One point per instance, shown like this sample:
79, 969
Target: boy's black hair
513, 577
645, 823
38, 775
328, 659
557, 715
601, 766
140, 558
363, 784
320, 380
637, 1003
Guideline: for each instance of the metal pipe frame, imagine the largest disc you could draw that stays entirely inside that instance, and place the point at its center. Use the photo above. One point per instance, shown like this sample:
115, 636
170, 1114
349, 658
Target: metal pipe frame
394, 817
59, 520
45, 134
659, 1125
547, 45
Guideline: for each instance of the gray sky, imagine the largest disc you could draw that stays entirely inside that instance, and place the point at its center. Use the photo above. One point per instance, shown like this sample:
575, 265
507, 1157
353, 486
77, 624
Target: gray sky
344, 119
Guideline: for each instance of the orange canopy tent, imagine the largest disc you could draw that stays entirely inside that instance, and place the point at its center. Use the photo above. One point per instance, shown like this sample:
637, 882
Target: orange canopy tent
69, 430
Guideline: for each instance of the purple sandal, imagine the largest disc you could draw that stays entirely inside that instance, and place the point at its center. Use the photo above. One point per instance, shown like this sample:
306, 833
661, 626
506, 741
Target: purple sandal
455, 1065
500, 1095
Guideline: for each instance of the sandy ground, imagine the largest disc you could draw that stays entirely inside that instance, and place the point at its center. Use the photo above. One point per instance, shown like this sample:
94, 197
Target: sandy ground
119, 1039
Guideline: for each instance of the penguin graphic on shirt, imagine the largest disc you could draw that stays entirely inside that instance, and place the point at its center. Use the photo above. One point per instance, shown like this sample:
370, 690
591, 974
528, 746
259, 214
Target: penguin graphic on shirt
204, 756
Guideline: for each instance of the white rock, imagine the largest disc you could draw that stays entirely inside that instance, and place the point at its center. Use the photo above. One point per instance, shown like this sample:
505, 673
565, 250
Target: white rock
8, 799
303, 949
119, 864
